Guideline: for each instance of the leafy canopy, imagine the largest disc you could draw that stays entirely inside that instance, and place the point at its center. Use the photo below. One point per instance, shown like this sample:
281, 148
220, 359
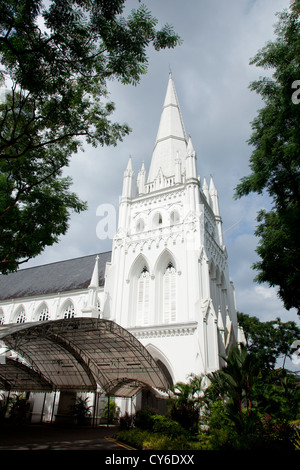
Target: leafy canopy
275, 159
269, 341
58, 57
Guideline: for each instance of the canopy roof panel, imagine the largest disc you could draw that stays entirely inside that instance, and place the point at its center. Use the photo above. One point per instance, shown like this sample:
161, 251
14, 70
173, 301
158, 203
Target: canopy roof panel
79, 354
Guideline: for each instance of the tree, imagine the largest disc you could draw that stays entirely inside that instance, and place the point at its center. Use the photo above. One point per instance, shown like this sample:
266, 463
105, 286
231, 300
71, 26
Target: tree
59, 58
275, 160
185, 401
234, 382
270, 340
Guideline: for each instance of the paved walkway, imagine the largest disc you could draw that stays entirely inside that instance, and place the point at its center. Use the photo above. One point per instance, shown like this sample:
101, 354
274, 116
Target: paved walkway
52, 437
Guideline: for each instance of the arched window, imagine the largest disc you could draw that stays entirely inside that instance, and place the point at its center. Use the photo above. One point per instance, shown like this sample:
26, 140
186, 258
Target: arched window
169, 294
174, 218
1, 318
157, 220
142, 317
44, 314
140, 225
21, 318
69, 311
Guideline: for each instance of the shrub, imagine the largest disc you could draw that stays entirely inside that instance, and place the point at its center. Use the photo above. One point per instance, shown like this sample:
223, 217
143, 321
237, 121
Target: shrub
163, 442
167, 426
134, 437
126, 421
144, 419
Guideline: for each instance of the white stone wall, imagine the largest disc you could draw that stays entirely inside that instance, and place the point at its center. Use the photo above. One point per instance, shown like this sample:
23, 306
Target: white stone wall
55, 305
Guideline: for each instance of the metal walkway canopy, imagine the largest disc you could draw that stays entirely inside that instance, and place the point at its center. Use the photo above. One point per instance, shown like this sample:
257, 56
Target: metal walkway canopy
79, 354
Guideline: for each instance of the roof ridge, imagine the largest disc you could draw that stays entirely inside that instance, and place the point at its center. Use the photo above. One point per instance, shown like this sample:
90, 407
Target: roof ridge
62, 261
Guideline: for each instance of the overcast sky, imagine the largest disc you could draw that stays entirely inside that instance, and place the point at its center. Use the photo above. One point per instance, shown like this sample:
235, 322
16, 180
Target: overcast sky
211, 72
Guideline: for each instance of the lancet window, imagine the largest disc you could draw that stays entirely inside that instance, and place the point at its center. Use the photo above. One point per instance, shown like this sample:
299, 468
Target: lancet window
69, 311
142, 317
21, 318
44, 314
169, 294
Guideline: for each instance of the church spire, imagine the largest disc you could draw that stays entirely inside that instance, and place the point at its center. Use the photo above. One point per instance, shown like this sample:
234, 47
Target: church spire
171, 141
95, 276
128, 180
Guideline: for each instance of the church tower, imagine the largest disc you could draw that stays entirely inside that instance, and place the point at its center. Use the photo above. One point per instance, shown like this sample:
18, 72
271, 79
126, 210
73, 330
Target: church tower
168, 280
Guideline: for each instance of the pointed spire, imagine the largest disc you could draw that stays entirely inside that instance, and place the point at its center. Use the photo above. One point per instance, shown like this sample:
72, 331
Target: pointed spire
191, 170
129, 170
190, 147
171, 136
141, 180
205, 189
128, 180
214, 196
95, 276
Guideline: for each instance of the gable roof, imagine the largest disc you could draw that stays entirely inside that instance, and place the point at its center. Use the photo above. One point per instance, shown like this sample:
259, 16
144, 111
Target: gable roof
62, 276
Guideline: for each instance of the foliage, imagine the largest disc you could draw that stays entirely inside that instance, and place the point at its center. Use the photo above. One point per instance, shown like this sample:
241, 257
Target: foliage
81, 410
126, 421
18, 408
111, 411
144, 419
4, 401
168, 427
269, 340
233, 384
249, 407
185, 401
275, 160
150, 440
134, 437
246, 405
164, 442
58, 58
277, 393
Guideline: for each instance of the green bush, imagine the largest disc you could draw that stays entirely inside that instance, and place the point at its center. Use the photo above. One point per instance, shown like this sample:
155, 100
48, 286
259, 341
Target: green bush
144, 419
162, 442
168, 427
142, 439
157, 432
134, 437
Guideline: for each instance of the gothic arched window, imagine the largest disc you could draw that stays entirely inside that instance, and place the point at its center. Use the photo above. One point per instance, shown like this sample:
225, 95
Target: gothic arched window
169, 294
69, 311
142, 317
157, 220
44, 314
174, 218
21, 318
140, 225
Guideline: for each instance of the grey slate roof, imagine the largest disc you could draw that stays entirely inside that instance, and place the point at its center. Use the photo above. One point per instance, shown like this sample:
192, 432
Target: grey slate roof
52, 278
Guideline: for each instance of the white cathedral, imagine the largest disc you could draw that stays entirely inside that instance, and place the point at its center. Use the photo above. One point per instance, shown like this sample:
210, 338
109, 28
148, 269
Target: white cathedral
166, 279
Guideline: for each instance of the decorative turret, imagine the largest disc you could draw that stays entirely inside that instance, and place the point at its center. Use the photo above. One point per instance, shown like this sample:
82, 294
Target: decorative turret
205, 189
215, 207
91, 308
141, 180
128, 180
191, 168
126, 196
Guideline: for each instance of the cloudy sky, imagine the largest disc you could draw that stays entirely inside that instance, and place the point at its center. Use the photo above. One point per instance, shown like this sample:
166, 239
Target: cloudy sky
211, 72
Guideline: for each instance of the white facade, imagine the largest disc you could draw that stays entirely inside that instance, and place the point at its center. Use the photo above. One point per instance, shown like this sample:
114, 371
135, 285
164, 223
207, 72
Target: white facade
167, 281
